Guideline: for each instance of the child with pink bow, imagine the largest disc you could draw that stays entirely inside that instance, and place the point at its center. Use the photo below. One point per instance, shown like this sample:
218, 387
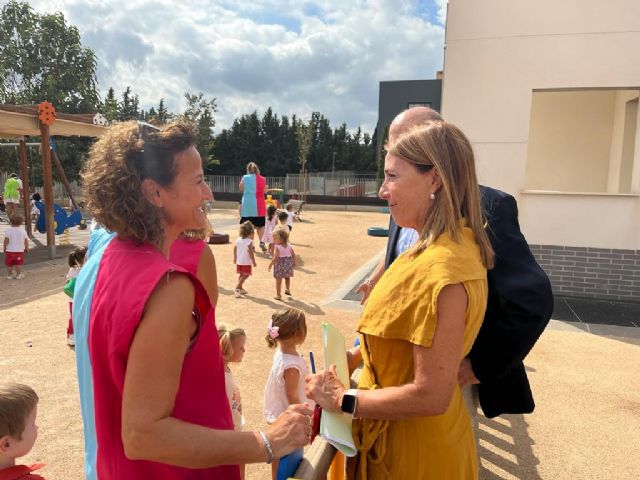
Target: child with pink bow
286, 331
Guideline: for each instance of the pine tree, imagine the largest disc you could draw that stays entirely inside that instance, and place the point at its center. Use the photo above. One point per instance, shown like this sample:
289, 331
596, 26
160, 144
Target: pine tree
110, 109
163, 114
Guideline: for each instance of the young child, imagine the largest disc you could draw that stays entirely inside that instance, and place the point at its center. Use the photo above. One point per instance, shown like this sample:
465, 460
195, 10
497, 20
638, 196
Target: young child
287, 330
232, 340
283, 261
283, 216
16, 245
18, 430
34, 210
76, 260
290, 216
269, 225
244, 256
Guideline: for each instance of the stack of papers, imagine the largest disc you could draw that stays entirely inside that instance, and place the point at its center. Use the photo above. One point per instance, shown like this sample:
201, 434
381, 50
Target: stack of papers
336, 427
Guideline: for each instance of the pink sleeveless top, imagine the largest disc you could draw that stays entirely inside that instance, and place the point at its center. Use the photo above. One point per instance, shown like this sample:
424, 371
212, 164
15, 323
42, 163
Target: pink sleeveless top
186, 253
127, 276
284, 251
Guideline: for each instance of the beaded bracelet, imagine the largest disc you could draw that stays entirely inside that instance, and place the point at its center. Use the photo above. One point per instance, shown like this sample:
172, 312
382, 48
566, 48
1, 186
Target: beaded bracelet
267, 443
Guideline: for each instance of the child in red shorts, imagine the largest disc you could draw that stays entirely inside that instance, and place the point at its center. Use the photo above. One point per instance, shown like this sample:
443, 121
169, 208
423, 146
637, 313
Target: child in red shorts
16, 245
243, 256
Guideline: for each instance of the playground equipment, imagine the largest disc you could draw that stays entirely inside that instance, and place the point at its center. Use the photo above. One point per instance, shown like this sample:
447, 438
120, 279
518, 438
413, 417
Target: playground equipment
61, 220
378, 232
271, 192
20, 121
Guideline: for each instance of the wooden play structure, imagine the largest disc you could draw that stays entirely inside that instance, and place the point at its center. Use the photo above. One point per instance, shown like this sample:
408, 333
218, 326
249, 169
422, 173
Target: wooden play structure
42, 120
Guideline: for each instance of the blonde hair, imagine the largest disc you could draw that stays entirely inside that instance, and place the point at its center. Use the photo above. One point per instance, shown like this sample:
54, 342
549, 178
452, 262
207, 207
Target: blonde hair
291, 323
444, 146
226, 335
282, 233
17, 401
253, 168
246, 229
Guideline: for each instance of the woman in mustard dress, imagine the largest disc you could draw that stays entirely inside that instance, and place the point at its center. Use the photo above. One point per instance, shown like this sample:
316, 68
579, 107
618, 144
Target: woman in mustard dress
421, 318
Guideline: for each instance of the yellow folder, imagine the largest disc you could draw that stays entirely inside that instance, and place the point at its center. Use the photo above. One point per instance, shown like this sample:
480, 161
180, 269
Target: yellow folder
336, 427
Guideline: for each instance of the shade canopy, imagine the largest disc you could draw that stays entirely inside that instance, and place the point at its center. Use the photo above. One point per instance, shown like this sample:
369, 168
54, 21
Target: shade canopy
17, 121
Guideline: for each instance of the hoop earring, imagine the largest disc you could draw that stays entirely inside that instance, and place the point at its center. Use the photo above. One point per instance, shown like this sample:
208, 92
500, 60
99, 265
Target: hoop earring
432, 196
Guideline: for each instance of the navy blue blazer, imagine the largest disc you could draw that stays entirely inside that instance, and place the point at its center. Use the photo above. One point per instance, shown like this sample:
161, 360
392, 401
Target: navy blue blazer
519, 307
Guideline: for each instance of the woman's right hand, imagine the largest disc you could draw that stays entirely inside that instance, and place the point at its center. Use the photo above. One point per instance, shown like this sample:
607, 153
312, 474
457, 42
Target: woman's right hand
291, 430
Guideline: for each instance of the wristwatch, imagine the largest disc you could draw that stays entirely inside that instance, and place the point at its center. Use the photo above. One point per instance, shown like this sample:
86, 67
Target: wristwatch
349, 402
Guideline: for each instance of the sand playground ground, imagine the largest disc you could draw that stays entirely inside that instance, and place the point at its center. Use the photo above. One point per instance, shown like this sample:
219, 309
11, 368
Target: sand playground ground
587, 387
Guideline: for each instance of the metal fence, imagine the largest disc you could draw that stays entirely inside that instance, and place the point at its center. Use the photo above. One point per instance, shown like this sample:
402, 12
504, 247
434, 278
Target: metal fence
311, 184
326, 184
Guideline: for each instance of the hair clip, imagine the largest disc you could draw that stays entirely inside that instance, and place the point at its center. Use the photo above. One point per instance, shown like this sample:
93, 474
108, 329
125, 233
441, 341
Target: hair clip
273, 331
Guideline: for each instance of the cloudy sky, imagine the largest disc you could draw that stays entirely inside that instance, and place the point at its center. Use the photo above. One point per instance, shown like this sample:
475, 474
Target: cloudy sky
293, 55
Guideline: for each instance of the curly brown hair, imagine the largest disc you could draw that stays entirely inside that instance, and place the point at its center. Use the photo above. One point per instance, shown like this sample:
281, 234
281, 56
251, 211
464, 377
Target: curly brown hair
246, 229
119, 161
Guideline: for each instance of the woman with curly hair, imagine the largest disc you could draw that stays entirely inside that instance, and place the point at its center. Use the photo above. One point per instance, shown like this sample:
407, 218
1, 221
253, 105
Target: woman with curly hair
160, 405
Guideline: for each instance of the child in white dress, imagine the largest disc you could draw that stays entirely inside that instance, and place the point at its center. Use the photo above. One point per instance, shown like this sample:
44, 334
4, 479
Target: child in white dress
244, 256
232, 340
269, 225
286, 331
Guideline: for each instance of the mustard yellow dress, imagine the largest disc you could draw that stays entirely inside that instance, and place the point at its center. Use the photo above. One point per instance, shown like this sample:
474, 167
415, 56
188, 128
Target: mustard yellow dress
402, 312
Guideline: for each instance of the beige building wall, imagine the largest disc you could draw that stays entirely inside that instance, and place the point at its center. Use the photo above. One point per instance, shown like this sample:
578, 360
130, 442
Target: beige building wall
497, 54
569, 142
622, 142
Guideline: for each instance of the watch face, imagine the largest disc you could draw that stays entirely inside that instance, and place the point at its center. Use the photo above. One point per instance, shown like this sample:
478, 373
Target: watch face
348, 403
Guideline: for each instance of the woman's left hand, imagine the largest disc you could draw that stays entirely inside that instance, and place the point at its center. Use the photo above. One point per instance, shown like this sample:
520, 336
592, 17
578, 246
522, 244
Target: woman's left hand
326, 389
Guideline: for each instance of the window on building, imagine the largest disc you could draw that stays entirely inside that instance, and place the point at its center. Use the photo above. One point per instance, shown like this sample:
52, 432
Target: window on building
584, 140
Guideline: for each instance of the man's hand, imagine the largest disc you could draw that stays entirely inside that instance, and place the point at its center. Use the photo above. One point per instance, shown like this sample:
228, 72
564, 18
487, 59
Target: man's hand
465, 374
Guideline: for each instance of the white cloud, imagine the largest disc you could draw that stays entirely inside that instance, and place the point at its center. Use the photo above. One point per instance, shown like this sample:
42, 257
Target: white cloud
296, 56
442, 10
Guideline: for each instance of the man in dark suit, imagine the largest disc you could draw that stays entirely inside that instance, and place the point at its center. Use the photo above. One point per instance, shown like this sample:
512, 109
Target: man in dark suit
520, 301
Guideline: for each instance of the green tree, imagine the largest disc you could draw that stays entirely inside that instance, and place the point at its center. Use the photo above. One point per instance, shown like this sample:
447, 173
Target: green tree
200, 110
381, 152
42, 58
271, 159
163, 113
304, 134
128, 107
110, 107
